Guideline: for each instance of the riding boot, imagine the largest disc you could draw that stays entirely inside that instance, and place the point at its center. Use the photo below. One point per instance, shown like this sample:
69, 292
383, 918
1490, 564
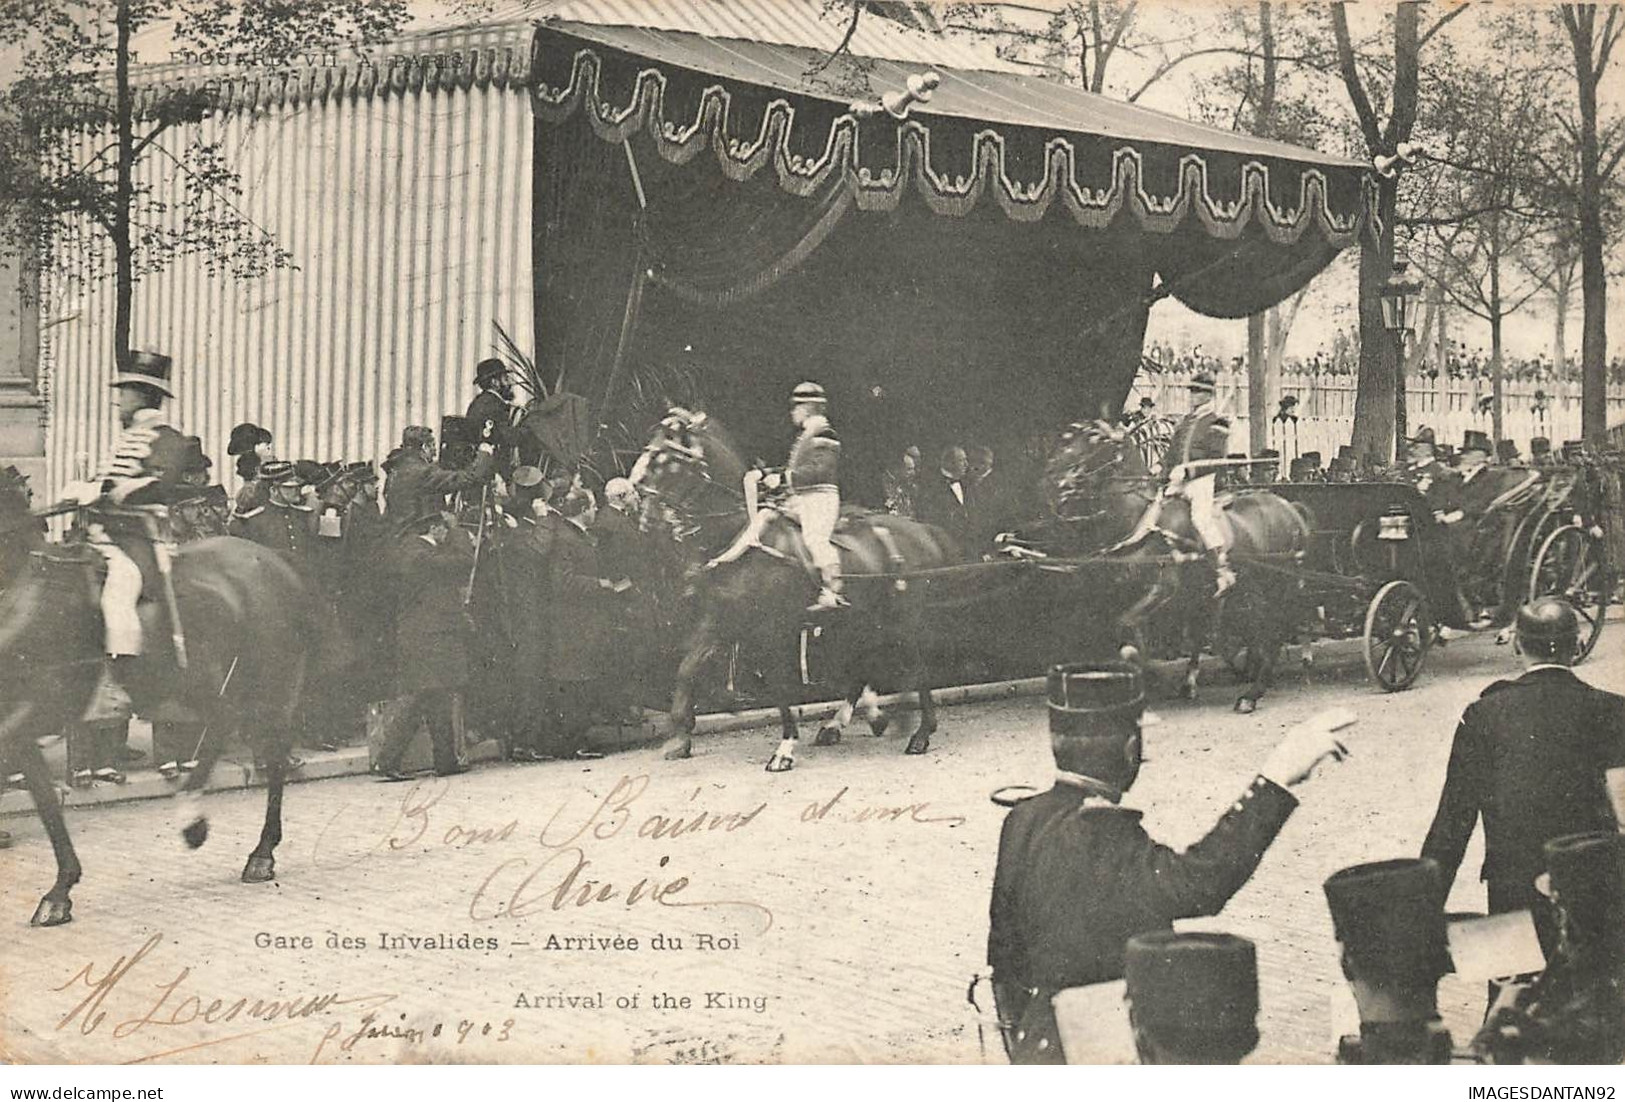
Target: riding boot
1225, 577
829, 594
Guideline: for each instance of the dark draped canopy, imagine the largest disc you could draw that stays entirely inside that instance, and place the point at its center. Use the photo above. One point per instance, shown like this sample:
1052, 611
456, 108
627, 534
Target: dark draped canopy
980, 271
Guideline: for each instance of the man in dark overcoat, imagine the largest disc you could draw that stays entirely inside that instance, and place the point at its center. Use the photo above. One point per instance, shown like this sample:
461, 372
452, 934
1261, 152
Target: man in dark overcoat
431, 643
944, 498
577, 617
490, 415
1077, 874
414, 486
1531, 757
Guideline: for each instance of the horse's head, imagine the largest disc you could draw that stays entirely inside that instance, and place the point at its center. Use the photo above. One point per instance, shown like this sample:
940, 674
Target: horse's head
1094, 462
20, 530
689, 469
350, 485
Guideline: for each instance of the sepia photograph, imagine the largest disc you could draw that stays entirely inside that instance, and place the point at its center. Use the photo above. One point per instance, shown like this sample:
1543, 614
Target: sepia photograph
811, 532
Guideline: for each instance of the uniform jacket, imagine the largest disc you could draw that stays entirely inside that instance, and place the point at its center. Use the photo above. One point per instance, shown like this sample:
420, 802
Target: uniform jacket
149, 463
431, 643
1075, 882
413, 486
207, 512
1200, 435
578, 609
289, 530
815, 456
1528, 757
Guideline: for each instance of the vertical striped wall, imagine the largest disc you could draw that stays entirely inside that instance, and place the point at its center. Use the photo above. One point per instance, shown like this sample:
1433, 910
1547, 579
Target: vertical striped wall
408, 217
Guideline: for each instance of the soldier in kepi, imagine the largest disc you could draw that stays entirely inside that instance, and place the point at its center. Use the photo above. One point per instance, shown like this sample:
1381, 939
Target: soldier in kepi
815, 496
1077, 874
147, 470
1202, 435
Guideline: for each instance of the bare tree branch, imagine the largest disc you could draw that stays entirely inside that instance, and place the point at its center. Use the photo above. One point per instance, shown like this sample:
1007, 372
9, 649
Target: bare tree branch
1439, 26
1351, 77
844, 44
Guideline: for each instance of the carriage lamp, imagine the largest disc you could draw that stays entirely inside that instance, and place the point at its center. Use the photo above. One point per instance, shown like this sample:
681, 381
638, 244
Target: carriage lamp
1394, 526
1399, 299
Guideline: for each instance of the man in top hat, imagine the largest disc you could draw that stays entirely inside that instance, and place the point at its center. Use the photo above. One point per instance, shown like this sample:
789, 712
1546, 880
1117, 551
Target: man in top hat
815, 493
1540, 451
145, 473
1531, 757
1193, 998
1077, 874
415, 486
1574, 1013
1202, 435
285, 523
490, 414
1388, 917
1506, 452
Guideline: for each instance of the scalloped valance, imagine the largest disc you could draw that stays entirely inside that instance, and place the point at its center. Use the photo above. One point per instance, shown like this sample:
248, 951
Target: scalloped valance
953, 161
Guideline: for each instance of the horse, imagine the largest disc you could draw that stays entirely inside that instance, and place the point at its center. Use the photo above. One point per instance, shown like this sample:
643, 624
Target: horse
689, 478
249, 633
1104, 502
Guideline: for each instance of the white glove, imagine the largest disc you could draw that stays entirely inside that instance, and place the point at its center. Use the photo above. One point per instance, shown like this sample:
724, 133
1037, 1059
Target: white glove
773, 481
1306, 746
82, 493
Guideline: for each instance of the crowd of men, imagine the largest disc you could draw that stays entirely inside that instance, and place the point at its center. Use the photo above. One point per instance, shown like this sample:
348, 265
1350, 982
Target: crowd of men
1343, 358
1083, 898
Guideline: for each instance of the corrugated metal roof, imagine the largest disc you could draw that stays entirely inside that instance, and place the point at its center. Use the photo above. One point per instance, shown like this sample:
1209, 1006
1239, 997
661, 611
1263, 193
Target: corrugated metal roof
804, 23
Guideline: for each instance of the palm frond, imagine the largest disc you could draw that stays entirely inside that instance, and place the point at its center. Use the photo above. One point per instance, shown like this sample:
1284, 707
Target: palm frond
522, 367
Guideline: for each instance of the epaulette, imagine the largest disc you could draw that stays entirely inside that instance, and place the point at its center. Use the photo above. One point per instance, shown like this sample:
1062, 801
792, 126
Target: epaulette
254, 512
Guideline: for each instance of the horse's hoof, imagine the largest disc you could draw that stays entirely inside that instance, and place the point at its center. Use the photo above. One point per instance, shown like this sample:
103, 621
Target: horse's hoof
196, 833
919, 744
778, 763
259, 870
1503, 637
828, 735
52, 912
1246, 705
878, 727
678, 748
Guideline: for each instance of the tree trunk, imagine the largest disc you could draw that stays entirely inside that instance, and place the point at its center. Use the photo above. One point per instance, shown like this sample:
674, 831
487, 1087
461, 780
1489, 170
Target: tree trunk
1580, 20
1497, 375
1375, 395
1258, 388
123, 255
1560, 327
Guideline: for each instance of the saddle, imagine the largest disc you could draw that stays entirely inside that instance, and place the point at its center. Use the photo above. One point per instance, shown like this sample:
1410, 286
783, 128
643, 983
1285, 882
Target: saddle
1170, 515
864, 547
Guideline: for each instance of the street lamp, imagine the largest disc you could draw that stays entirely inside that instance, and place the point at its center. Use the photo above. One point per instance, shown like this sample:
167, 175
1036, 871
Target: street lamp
1399, 318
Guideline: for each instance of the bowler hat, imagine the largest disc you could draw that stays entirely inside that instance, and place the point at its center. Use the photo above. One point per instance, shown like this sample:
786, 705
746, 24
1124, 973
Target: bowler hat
246, 437
1389, 916
1194, 983
279, 472
148, 369
1424, 435
489, 369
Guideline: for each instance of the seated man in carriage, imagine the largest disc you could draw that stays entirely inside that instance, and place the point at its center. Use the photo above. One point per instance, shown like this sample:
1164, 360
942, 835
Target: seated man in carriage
147, 471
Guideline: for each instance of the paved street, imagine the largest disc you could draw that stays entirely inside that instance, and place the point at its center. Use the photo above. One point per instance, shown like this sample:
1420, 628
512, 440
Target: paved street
835, 913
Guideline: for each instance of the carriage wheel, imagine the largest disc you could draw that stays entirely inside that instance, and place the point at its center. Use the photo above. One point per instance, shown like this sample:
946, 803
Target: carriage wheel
1570, 565
1398, 631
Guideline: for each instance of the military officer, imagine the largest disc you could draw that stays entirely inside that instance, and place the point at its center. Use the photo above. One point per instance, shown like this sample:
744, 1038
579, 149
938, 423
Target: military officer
285, 523
1077, 874
1388, 917
1193, 998
1532, 758
1203, 434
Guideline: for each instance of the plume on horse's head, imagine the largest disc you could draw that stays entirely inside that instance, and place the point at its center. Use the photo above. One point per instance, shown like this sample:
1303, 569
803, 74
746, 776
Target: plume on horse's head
1088, 453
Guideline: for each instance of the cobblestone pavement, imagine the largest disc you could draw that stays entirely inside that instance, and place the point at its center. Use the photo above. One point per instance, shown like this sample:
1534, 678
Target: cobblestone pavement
834, 913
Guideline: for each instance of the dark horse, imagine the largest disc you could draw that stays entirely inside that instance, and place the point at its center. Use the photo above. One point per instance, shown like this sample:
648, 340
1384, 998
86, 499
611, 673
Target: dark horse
248, 634
690, 477
1101, 495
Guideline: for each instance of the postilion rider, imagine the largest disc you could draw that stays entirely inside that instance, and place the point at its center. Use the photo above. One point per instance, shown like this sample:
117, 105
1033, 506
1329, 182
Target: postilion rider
1202, 435
815, 495
145, 474
1078, 876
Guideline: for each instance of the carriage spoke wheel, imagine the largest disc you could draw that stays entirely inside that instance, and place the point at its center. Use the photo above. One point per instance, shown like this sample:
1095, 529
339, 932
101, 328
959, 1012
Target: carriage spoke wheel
1570, 565
1398, 631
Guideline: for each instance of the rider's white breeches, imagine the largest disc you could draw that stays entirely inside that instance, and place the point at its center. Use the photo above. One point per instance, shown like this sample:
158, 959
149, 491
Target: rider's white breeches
818, 509
1204, 513
119, 597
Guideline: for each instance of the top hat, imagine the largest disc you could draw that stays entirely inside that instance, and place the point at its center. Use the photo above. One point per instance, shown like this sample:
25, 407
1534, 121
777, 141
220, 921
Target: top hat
1389, 916
279, 472
193, 459
1588, 878
1476, 441
246, 437
1201, 383
491, 368
1090, 700
1506, 451
1310, 457
1539, 446
149, 369
1424, 435
808, 392
1573, 448
1201, 983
